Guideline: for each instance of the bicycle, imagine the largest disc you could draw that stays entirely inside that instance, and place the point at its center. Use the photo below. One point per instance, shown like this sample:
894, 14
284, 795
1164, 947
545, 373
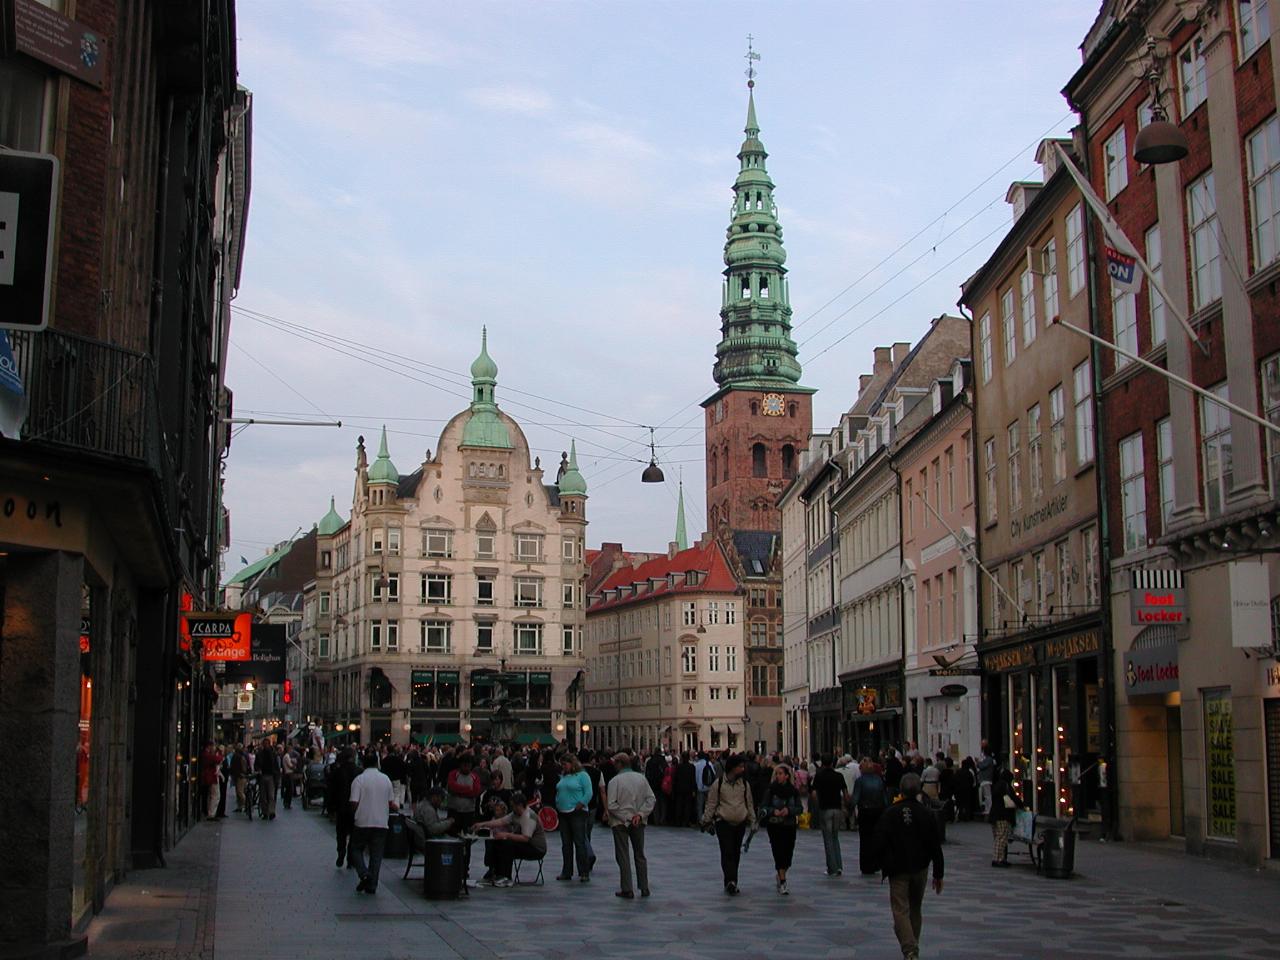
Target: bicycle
250, 795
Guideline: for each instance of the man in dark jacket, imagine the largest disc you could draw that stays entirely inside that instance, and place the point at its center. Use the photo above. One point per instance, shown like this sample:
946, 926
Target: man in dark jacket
684, 789
345, 771
907, 842
267, 764
654, 770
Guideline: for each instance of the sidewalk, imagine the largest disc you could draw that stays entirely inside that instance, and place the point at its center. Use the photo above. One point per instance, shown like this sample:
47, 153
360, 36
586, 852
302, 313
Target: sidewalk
279, 896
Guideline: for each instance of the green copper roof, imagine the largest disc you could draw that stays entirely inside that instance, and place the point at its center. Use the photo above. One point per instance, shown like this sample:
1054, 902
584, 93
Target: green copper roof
485, 428
383, 470
330, 523
756, 349
682, 535
572, 483
255, 568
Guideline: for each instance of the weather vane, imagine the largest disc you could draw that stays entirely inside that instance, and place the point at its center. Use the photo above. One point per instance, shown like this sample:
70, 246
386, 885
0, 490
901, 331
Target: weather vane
751, 59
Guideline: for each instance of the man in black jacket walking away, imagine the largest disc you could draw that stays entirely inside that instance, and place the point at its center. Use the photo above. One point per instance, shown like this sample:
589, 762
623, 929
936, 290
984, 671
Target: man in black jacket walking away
907, 842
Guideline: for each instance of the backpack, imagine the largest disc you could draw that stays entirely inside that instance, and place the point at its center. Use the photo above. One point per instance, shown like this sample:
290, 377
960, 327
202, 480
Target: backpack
708, 774
668, 781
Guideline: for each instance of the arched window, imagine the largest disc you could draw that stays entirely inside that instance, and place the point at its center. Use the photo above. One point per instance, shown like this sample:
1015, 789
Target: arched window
764, 286
759, 460
746, 288
788, 461
715, 467
792, 410
755, 408
724, 459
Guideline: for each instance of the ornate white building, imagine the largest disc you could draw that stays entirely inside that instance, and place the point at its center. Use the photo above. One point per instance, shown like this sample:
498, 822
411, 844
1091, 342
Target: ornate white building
451, 589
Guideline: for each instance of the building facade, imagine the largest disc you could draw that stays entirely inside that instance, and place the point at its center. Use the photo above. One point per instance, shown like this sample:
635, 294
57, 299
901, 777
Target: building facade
1192, 486
1044, 634
934, 467
111, 468
450, 605
665, 654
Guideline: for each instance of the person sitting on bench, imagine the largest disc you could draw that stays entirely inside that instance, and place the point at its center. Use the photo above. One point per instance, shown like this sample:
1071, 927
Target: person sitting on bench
517, 836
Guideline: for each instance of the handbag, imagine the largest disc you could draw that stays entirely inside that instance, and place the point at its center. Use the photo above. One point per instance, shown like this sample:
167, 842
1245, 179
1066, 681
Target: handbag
1008, 802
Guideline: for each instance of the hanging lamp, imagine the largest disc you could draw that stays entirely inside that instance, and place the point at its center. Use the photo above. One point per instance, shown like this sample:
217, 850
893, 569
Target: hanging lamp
652, 473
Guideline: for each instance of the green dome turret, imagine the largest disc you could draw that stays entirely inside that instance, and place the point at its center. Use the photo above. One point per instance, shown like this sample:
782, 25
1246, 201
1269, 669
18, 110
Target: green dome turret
330, 523
382, 469
485, 427
572, 483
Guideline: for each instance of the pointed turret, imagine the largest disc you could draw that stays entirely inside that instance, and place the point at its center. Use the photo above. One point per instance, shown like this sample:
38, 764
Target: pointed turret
485, 427
331, 522
383, 470
572, 483
682, 534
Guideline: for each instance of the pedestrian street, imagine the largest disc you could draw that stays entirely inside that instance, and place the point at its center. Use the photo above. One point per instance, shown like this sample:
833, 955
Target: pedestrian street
280, 896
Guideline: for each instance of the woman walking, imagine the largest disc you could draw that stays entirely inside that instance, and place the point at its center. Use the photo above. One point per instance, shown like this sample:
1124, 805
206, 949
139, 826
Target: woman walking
1004, 812
870, 798
779, 810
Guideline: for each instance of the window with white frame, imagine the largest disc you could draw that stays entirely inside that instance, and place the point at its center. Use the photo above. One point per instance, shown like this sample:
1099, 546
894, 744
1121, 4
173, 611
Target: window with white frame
1040, 580
486, 545
1271, 410
713, 612
567, 641
436, 589
1155, 302
1164, 469
1262, 149
1049, 282
322, 647
1254, 20
984, 337
393, 541
949, 458
1089, 563
528, 591
926, 594
1115, 160
485, 591
713, 693
1075, 250
437, 543
1082, 390
375, 540
1215, 434
385, 586
989, 458
690, 694
1202, 220
375, 634
731, 658
730, 612
1057, 434
1035, 462
484, 636
689, 610
968, 466
1193, 82
1124, 315
731, 693
393, 635
1027, 297
1013, 436
325, 598
529, 639
529, 547
436, 636
567, 596
1008, 326
1133, 493
1062, 566
1020, 588
713, 657
689, 658
759, 633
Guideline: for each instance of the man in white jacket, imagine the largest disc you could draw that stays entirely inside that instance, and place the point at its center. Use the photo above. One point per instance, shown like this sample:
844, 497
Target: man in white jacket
630, 801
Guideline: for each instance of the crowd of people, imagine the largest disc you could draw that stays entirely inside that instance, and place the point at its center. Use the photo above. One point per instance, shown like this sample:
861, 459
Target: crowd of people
895, 801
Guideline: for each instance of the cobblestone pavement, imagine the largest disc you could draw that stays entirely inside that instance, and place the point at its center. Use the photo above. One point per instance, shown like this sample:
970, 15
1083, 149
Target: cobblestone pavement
280, 898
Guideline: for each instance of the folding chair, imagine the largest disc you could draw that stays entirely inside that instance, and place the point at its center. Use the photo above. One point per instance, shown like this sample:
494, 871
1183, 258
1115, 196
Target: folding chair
515, 873
417, 841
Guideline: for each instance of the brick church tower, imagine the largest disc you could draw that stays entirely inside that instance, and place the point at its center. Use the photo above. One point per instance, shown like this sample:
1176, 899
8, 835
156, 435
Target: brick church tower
759, 419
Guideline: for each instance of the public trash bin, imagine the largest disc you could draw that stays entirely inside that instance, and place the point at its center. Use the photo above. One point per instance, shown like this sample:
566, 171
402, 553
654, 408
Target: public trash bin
397, 847
1057, 847
445, 859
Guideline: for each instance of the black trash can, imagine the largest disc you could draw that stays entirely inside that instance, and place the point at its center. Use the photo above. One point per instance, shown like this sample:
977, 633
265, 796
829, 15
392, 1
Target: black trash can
397, 847
1057, 847
445, 859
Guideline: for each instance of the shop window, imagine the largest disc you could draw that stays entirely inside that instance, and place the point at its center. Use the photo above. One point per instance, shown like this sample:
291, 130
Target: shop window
1220, 772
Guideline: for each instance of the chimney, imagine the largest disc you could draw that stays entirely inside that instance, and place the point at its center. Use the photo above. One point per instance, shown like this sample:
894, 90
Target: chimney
863, 381
672, 550
900, 351
883, 362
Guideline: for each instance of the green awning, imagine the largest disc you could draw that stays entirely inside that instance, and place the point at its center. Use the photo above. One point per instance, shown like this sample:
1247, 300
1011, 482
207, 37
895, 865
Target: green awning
446, 676
540, 679
437, 739
534, 737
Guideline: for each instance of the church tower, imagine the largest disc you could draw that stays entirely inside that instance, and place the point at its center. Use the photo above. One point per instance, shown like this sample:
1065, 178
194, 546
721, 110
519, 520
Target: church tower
759, 418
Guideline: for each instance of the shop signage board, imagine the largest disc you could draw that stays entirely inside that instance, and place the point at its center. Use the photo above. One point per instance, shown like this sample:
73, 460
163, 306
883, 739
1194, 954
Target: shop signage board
46, 35
1250, 601
28, 213
223, 635
1153, 670
1220, 768
1069, 647
954, 672
1157, 596
266, 655
953, 690
244, 701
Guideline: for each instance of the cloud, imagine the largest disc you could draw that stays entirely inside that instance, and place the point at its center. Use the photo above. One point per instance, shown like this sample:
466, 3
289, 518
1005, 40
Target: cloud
510, 98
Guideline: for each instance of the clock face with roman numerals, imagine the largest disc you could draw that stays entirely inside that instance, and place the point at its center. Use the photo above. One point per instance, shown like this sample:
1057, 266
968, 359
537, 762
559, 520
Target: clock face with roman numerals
772, 405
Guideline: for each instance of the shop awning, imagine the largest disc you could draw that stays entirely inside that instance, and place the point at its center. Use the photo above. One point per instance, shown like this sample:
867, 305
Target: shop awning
541, 735
540, 679
437, 739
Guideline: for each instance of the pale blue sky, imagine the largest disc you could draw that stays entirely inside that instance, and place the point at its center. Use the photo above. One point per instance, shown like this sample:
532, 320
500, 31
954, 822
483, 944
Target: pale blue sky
561, 172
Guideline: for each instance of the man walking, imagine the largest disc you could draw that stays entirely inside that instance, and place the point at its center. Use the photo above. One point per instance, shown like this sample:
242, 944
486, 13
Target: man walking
288, 765
630, 801
729, 812
986, 776
239, 774
268, 767
831, 795
907, 842
344, 774
684, 788
371, 805
704, 774
654, 771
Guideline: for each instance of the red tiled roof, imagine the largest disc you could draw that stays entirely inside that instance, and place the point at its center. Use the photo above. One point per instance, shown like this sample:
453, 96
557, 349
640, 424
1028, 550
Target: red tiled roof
707, 559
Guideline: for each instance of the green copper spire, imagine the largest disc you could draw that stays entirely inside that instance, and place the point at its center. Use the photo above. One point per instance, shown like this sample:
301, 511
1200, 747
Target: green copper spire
485, 428
330, 523
682, 535
756, 350
382, 469
572, 483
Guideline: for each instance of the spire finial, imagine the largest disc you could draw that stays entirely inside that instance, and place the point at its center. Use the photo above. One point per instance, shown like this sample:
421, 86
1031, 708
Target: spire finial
752, 58
682, 536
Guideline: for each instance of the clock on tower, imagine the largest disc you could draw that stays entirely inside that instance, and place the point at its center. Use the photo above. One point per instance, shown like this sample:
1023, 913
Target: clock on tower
773, 405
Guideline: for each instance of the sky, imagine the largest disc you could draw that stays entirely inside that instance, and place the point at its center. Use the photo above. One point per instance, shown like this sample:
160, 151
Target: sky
561, 173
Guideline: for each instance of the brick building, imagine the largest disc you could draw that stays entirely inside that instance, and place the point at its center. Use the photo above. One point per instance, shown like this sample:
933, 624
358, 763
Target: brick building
116, 519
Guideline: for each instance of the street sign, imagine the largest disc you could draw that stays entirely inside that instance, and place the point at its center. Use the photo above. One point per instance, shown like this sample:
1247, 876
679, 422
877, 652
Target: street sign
954, 672
28, 212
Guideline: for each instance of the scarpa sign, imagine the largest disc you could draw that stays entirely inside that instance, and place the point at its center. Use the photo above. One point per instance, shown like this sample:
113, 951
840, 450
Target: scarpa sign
223, 635
1153, 670
1157, 596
